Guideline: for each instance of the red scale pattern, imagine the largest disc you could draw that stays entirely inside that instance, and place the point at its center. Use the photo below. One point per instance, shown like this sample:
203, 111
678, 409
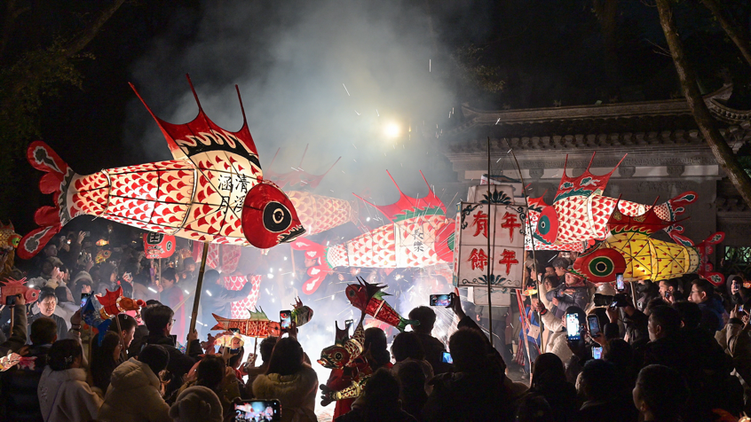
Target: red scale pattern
240, 308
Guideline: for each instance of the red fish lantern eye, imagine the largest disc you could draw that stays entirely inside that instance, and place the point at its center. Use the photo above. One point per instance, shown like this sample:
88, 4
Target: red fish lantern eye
276, 217
547, 225
268, 217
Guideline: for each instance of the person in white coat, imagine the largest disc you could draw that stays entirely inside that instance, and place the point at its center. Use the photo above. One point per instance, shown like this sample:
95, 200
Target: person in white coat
63, 392
134, 393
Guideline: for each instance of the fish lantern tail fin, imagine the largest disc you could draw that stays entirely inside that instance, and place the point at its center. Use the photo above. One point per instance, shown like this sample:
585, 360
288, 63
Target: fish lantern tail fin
706, 249
56, 181
403, 323
317, 273
671, 209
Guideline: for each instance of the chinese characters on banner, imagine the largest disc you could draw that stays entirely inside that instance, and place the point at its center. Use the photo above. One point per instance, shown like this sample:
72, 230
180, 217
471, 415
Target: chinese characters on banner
503, 222
158, 245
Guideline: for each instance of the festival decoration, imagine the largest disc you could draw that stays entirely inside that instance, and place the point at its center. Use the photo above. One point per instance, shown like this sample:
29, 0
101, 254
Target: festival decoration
229, 340
419, 235
12, 287
630, 250
297, 178
258, 325
368, 298
240, 308
9, 241
320, 213
580, 212
113, 303
211, 191
158, 245
8, 361
345, 355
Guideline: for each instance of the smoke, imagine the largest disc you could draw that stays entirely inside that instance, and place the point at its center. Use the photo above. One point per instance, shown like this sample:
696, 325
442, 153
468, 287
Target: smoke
328, 74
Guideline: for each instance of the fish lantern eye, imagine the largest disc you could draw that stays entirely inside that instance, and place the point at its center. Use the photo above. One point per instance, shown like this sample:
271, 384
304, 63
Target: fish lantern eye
601, 266
338, 356
547, 225
15, 240
268, 217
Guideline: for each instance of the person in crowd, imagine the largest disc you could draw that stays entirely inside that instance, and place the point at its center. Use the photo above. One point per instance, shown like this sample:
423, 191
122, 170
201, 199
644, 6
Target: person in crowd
290, 380
475, 390
549, 381
134, 394
217, 299
18, 333
64, 395
212, 372
104, 359
556, 343
19, 384
159, 320
173, 296
530, 346
533, 408
65, 306
739, 294
412, 387
560, 267
189, 275
647, 291
702, 293
266, 347
603, 401
432, 347
407, 348
198, 404
660, 394
670, 290
573, 292
105, 278
82, 283
379, 402
47, 304
375, 342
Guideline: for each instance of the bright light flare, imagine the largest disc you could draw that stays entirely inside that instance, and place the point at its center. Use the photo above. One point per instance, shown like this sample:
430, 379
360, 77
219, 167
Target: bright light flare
392, 130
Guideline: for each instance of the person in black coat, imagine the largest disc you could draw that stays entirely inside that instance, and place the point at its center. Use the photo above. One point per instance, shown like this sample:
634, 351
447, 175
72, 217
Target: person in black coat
218, 300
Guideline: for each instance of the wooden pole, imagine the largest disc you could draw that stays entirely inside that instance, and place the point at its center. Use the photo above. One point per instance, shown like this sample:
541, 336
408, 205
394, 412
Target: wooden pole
199, 284
490, 255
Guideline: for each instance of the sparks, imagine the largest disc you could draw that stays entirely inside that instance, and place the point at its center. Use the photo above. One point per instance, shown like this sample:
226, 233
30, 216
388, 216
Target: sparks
346, 90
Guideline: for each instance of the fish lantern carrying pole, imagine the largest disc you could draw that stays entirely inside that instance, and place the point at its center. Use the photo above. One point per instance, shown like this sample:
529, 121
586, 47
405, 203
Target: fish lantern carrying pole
199, 284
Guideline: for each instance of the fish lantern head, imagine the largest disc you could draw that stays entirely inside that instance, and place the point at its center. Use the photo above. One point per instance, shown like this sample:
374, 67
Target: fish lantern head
357, 296
334, 357
31, 295
547, 225
268, 217
601, 265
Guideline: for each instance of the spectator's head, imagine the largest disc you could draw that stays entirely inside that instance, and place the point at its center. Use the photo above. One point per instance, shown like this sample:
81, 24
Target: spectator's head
381, 392
412, 381
550, 281
65, 354
572, 279
375, 342
127, 328
660, 393
82, 282
50, 249
407, 346
549, 269
468, 350
189, 265
267, 346
62, 294
547, 371
287, 357
426, 316
158, 319
236, 358
197, 404
210, 372
669, 286
664, 321
560, 266
43, 331
690, 314
534, 408
168, 278
47, 302
701, 291
155, 357
108, 351
598, 380
620, 353
211, 278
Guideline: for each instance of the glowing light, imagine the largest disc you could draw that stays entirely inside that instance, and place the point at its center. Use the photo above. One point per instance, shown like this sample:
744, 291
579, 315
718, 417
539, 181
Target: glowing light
31, 286
271, 270
392, 130
209, 293
186, 292
154, 291
285, 258
270, 275
367, 219
332, 297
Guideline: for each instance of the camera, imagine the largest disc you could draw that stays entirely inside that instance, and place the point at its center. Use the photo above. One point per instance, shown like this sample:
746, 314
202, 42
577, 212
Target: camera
285, 319
447, 358
258, 410
11, 300
573, 327
441, 300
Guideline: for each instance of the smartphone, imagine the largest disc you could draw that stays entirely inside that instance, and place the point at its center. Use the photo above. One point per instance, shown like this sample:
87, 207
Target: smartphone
11, 300
573, 327
667, 295
174, 339
740, 308
258, 410
447, 358
441, 300
596, 352
285, 319
619, 283
85, 299
594, 325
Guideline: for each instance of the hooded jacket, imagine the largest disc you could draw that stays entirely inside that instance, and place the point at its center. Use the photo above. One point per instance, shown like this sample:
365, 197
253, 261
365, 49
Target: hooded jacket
65, 396
133, 395
296, 393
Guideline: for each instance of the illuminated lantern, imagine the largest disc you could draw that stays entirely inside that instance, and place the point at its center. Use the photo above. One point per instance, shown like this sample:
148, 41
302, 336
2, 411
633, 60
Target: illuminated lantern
211, 191
158, 245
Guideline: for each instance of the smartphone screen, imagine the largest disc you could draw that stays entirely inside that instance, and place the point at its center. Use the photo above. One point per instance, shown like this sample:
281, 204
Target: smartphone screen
10, 300
597, 352
85, 299
440, 300
258, 410
594, 325
572, 327
740, 308
447, 358
285, 319
619, 283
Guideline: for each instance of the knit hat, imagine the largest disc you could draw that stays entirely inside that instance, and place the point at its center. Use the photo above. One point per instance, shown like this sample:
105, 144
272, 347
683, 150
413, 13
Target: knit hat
197, 403
82, 275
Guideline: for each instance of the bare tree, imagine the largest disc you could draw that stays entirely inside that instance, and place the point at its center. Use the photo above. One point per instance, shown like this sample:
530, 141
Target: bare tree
736, 34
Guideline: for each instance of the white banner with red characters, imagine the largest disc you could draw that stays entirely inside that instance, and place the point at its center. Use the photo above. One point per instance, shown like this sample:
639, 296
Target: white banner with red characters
505, 224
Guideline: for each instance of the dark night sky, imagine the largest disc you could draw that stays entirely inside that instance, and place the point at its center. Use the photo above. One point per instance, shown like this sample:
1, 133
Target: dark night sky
292, 59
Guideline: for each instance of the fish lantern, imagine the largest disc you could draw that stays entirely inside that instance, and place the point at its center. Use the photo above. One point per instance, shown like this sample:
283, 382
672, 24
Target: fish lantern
258, 325
212, 190
369, 299
13, 287
158, 245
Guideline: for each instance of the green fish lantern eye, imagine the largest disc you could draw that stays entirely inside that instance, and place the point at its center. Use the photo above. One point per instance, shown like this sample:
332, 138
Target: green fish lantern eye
601, 266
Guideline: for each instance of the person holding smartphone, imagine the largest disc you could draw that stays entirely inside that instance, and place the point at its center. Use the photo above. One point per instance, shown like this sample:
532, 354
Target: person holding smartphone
18, 332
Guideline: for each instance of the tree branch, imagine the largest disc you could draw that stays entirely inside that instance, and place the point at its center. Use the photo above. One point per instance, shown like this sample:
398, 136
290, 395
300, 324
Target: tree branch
80, 42
737, 35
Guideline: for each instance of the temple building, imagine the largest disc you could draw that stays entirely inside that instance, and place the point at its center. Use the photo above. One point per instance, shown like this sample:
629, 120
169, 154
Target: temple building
665, 155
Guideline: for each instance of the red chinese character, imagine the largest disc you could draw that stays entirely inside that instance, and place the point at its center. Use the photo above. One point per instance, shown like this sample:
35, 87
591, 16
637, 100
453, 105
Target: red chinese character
478, 259
508, 258
510, 222
481, 223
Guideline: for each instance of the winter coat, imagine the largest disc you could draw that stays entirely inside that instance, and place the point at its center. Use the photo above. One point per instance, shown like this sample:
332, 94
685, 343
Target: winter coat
296, 393
220, 301
134, 396
19, 333
557, 341
19, 387
468, 396
65, 396
179, 363
62, 326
